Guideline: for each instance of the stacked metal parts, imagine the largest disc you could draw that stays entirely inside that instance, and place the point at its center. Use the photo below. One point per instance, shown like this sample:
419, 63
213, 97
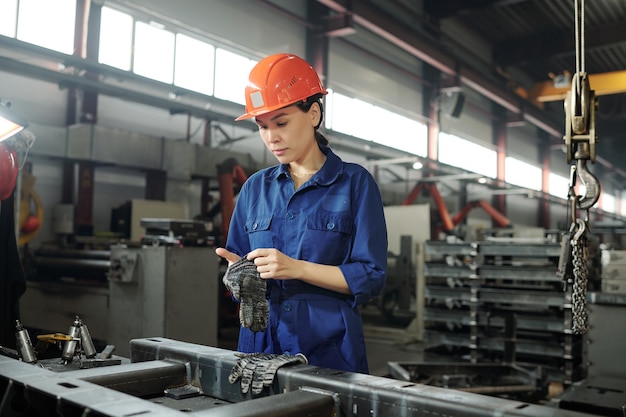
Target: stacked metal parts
502, 302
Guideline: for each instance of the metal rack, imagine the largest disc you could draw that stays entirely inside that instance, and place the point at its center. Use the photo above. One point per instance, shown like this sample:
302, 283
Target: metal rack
500, 301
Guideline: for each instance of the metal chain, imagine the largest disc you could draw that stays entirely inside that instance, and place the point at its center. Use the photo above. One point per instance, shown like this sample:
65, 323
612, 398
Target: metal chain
580, 253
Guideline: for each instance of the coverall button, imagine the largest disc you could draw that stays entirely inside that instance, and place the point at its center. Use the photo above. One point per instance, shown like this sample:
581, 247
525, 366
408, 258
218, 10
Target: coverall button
330, 226
255, 226
290, 215
287, 307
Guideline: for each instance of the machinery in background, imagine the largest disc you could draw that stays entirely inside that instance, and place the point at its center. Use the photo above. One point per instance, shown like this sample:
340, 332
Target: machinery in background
61, 351
166, 291
176, 232
500, 301
448, 222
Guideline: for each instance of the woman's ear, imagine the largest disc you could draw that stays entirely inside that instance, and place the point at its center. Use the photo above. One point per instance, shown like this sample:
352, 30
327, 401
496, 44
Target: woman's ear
315, 113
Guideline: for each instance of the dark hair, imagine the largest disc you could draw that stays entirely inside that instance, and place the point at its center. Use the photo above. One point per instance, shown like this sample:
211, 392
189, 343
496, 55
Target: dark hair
305, 106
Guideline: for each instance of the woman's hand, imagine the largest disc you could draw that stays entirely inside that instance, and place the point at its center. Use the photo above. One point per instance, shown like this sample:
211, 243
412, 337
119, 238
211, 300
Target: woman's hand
229, 256
272, 263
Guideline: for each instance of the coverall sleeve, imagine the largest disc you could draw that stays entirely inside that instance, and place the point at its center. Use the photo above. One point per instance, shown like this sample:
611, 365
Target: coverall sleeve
366, 270
237, 241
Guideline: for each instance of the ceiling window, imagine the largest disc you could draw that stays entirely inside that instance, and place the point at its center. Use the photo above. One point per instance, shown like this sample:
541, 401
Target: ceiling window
47, 23
467, 155
8, 17
154, 52
194, 64
231, 75
558, 186
116, 39
522, 173
609, 203
361, 119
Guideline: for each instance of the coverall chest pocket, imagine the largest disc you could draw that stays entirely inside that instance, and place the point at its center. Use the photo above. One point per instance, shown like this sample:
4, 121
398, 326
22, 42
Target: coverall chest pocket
328, 238
259, 234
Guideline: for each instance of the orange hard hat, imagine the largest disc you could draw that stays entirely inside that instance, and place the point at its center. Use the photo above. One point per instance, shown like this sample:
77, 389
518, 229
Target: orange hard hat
278, 81
8, 171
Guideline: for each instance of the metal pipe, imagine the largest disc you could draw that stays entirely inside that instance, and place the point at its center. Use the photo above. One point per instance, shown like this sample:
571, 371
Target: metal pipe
73, 263
74, 253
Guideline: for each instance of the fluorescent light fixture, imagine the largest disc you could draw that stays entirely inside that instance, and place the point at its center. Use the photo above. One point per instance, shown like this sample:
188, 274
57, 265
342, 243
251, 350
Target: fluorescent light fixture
10, 123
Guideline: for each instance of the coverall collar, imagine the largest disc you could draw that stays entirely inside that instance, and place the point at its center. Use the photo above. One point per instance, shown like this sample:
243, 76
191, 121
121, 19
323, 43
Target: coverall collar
330, 171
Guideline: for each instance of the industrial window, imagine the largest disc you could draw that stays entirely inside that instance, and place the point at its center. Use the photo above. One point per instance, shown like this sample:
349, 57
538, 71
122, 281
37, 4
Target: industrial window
116, 37
154, 52
558, 185
8, 17
363, 120
522, 173
47, 23
468, 155
194, 64
608, 203
231, 75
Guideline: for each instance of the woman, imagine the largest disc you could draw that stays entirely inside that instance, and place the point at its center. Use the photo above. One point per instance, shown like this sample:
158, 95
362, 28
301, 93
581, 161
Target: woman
313, 225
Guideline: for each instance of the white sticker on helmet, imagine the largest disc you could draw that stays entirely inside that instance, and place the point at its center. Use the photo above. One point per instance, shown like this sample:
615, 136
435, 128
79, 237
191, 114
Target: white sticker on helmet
257, 99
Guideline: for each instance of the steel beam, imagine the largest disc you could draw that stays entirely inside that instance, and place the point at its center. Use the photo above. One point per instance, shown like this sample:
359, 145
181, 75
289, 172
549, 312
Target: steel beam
299, 390
602, 84
359, 395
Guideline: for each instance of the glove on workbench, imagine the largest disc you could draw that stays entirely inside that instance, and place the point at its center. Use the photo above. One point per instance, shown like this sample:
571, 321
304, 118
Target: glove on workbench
245, 284
259, 369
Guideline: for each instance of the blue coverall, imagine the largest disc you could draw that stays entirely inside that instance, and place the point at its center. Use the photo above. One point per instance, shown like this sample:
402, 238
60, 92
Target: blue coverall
335, 218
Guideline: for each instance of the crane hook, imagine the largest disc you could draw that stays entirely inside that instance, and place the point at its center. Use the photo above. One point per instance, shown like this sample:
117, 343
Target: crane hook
591, 183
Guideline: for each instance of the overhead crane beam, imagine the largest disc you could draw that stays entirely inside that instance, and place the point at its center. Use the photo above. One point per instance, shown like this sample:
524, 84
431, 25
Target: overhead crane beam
603, 85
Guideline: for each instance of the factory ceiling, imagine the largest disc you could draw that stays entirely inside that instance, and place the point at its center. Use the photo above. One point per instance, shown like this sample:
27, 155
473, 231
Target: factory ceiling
532, 45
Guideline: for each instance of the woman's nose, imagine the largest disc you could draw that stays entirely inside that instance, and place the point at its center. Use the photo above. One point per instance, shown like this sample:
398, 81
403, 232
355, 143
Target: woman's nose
272, 136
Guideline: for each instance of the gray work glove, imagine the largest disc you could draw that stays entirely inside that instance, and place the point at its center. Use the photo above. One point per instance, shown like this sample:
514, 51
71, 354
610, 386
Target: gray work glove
259, 369
245, 284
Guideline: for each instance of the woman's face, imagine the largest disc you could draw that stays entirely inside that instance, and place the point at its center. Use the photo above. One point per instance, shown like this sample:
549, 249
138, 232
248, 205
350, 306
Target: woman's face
289, 133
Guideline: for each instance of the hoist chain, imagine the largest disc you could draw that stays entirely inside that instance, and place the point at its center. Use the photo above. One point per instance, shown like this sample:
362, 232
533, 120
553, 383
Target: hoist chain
580, 261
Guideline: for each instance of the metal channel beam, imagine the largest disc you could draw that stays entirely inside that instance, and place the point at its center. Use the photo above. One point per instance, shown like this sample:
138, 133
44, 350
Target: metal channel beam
442, 270
442, 248
520, 249
359, 395
526, 273
524, 322
527, 298
28, 390
138, 379
290, 404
